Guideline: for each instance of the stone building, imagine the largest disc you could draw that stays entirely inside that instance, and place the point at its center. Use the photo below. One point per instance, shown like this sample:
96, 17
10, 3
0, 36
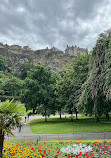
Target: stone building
15, 49
1, 45
54, 49
26, 48
72, 51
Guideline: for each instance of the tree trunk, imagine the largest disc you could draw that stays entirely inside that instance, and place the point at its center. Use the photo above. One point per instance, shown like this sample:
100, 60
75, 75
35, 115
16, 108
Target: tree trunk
71, 116
33, 110
107, 115
45, 115
97, 119
96, 112
76, 114
1, 142
60, 113
45, 118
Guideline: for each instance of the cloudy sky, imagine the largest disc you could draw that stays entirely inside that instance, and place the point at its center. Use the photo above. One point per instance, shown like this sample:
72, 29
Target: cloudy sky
42, 23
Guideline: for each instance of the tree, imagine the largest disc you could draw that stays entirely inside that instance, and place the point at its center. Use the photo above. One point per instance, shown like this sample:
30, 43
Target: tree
9, 118
48, 102
93, 98
38, 91
2, 79
3, 63
24, 68
11, 87
107, 86
69, 84
60, 86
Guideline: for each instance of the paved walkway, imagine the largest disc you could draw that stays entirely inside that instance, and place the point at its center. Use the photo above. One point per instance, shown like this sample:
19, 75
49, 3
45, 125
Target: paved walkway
51, 116
26, 134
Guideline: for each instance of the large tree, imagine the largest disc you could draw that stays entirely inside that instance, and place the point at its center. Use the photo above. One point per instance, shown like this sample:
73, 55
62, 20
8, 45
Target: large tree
93, 98
11, 87
9, 118
69, 84
38, 91
107, 86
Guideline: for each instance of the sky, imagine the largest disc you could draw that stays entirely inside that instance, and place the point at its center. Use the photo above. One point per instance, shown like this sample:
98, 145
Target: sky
47, 23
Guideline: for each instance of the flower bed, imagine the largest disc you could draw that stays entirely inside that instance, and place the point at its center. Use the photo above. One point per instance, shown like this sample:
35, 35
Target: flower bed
59, 149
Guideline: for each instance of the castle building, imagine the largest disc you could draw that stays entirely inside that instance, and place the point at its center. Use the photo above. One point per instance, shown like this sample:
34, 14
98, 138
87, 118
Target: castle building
1, 45
74, 50
26, 48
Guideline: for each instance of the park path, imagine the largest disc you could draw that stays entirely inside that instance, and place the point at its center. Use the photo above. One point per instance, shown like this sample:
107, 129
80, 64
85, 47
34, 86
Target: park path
26, 133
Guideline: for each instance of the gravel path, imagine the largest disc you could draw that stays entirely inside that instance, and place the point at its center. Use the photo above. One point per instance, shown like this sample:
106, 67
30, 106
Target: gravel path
26, 134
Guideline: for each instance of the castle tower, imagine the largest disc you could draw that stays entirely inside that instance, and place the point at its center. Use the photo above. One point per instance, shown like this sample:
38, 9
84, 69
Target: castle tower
72, 51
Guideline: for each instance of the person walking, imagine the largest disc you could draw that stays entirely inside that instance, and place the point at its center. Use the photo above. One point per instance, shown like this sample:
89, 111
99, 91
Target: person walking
20, 127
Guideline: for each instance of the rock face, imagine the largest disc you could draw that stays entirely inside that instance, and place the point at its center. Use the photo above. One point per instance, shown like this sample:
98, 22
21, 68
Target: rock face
55, 59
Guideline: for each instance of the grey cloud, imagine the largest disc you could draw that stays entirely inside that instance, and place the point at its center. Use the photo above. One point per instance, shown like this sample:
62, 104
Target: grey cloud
87, 9
41, 23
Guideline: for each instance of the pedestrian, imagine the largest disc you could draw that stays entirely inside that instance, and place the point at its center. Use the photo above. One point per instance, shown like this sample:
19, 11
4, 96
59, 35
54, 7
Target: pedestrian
20, 127
28, 116
25, 118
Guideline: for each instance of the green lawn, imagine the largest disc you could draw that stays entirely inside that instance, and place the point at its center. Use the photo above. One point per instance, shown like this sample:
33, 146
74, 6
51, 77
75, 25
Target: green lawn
54, 141
65, 126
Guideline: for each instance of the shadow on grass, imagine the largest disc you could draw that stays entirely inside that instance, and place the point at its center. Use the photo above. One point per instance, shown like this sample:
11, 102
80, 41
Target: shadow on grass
85, 121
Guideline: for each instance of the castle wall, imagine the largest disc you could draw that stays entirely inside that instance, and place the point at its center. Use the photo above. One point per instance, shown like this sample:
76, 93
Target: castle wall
74, 50
55, 59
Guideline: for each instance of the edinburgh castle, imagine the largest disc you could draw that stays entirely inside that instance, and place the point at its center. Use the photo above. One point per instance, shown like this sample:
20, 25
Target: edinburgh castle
53, 58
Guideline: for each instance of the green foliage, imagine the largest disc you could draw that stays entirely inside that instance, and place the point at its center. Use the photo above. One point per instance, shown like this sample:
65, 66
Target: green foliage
38, 91
3, 63
94, 90
70, 82
9, 115
24, 68
2, 79
11, 87
9, 118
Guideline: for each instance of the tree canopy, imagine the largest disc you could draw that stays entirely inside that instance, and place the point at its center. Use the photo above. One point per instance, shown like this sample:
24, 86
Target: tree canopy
38, 91
93, 99
3, 63
69, 84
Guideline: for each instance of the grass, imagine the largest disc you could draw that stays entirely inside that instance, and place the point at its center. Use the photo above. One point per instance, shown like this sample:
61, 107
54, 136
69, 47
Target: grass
54, 141
65, 126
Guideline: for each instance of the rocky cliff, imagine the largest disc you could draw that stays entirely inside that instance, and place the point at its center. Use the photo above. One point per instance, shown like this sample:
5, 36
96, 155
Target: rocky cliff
55, 59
